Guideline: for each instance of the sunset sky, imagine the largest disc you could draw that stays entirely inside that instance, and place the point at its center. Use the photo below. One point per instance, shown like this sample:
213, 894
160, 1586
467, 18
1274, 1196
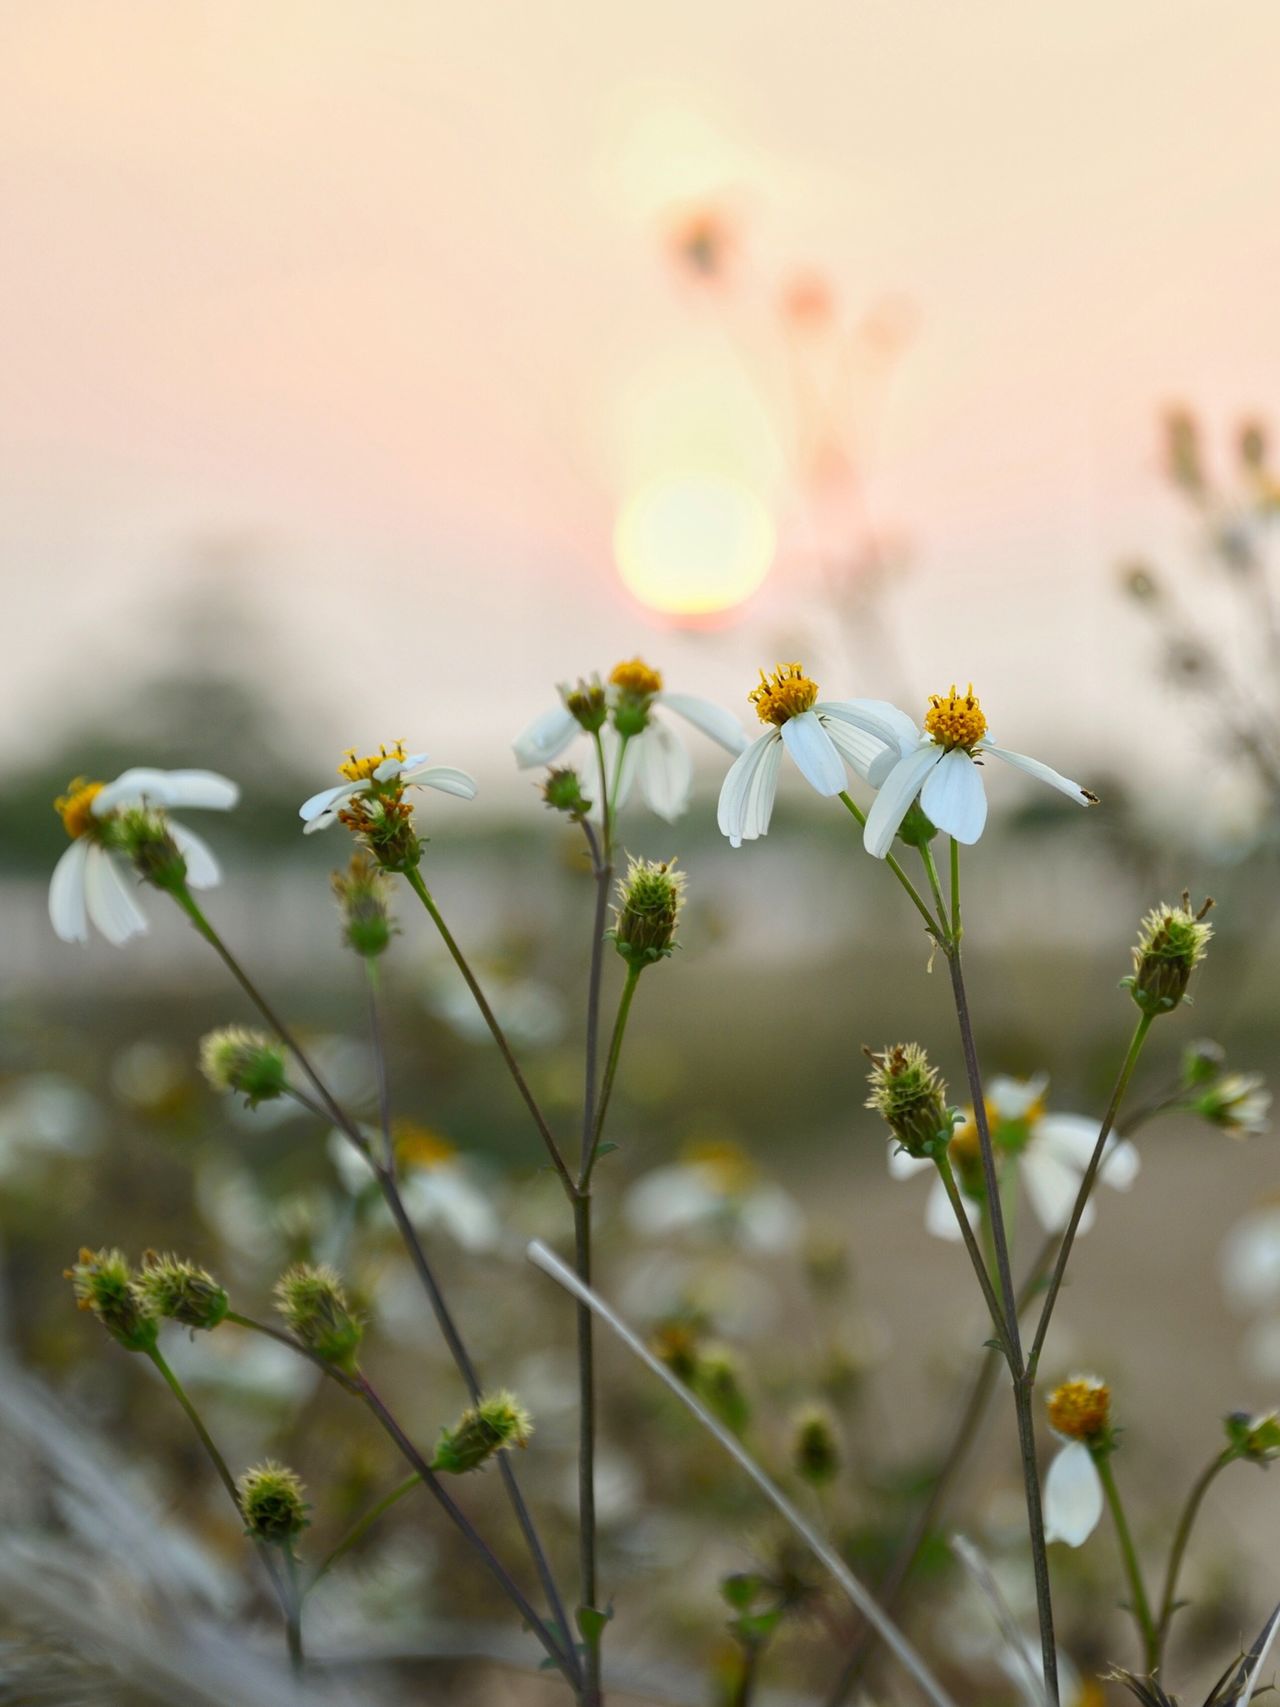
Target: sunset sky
381, 291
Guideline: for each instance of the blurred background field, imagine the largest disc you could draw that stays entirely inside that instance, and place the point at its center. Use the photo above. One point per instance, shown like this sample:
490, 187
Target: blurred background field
369, 372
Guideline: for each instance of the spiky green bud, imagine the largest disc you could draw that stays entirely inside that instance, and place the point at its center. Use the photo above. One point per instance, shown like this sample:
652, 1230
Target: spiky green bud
361, 892
237, 1058
272, 1505
650, 899
815, 1447
497, 1423
104, 1283
911, 1096
718, 1382
313, 1303
587, 703
144, 835
1171, 943
562, 792
182, 1291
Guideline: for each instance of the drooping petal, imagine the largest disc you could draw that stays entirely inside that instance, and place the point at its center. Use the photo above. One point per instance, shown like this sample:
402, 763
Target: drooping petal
1072, 1496
327, 802
399, 767
855, 746
203, 870
713, 720
762, 793
897, 791
735, 791
903, 1165
545, 738
66, 894
447, 779
816, 759
111, 905
876, 717
1053, 1186
1033, 767
940, 1217
142, 786
664, 769
1013, 1099
954, 799
1073, 1138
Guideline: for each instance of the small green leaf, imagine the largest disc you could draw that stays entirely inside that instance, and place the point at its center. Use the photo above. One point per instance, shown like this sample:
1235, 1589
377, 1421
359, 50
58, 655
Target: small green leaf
740, 1589
591, 1622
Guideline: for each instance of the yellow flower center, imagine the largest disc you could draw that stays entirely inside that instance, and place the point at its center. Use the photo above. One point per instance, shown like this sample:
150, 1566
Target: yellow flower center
783, 695
75, 807
633, 675
357, 769
1080, 1409
955, 719
420, 1147
727, 1163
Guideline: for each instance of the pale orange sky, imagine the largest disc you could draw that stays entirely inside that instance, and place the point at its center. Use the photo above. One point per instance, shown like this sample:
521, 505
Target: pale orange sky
379, 287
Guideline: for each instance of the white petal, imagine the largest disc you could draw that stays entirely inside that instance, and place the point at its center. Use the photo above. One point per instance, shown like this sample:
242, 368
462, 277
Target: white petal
1073, 1138
1053, 1186
1251, 1260
203, 870
66, 894
327, 800
446, 779
736, 790
940, 1217
954, 799
903, 1165
713, 720
854, 745
665, 770
1013, 1099
111, 904
166, 789
321, 822
762, 793
399, 767
1033, 767
897, 792
876, 717
545, 738
816, 759
1072, 1496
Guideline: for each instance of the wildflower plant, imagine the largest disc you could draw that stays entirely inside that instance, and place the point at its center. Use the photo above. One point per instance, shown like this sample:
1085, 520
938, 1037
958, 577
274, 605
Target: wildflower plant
916, 795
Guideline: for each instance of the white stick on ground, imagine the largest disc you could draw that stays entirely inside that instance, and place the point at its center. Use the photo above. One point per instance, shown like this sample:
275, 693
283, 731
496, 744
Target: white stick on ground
861, 1596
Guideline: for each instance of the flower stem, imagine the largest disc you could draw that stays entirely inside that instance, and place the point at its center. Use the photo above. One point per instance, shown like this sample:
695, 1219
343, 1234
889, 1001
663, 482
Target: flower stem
935, 884
957, 928
361, 1527
1086, 1187
931, 924
379, 1059
414, 879
1181, 1536
293, 1612
1140, 1606
948, 1178
611, 1070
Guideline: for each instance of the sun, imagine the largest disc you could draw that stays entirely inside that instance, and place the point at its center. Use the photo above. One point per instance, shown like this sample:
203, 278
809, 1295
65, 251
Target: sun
690, 545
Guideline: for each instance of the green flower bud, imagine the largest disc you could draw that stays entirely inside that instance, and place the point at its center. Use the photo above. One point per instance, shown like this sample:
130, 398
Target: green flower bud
312, 1301
588, 704
718, 1382
917, 830
650, 899
496, 1424
237, 1058
911, 1097
676, 1343
181, 1291
1237, 1103
385, 825
1255, 1438
361, 891
562, 792
145, 837
1171, 944
815, 1449
1202, 1061
272, 1505
104, 1283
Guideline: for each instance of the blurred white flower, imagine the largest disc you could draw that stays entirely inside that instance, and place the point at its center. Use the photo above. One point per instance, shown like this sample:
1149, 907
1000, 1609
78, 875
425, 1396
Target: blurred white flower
1072, 1495
715, 1191
45, 1114
89, 882
820, 735
381, 775
941, 764
1052, 1152
1250, 1266
438, 1187
656, 757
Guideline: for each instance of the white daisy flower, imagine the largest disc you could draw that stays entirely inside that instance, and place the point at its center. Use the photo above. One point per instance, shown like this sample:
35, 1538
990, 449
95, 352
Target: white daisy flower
438, 1187
715, 1189
655, 757
380, 776
1052, 1152
1079, 1413
820, 735
1239, 1103
89, 882
940, 765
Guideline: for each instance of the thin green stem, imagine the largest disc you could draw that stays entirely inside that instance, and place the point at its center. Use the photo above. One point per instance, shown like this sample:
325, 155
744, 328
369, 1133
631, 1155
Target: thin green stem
1181, 1536
379, 1058
935, 883
414, 878
611, 1070
931, 924
1086, 1187
957, 928
360, 1528
293, 1613
1139, 1605
948, 1178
